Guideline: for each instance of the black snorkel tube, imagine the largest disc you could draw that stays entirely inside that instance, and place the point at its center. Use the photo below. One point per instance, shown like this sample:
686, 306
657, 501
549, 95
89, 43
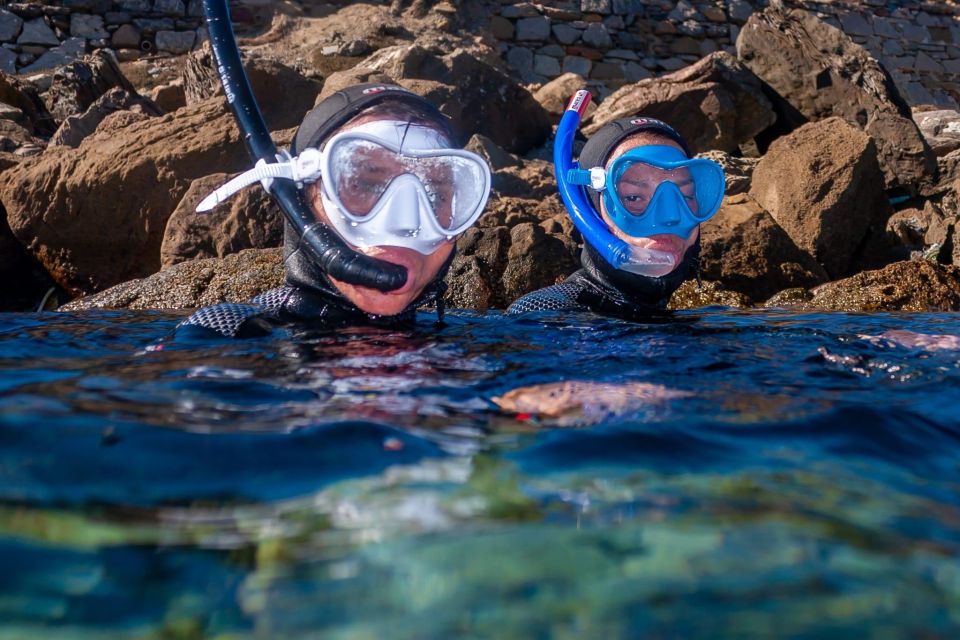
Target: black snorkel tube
324, 247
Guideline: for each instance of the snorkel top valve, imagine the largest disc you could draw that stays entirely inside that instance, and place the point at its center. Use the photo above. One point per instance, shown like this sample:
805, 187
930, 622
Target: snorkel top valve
618, 253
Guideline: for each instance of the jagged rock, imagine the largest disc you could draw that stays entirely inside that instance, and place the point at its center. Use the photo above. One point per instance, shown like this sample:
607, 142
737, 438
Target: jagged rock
478, 97
822, 73
519, 246
737, 171
14, 136
914, 229
284, 95
716, 103
249, 220
94, 216
554, 95
197, 283
75, 128
79, 84
694, 295
941, 129
25, 97
917, 285
745, 250
824, 187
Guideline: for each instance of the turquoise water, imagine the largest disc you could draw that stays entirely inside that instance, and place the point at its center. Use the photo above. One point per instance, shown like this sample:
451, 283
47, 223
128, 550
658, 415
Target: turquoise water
793, 476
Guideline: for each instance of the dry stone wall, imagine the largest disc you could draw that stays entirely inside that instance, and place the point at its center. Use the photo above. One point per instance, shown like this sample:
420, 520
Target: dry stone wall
613, 42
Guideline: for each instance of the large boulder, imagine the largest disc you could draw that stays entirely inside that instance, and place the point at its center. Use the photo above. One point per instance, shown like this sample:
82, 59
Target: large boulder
95, 216
917, 285
478, 97
283, 94
822, 73
745, 250
716, 103
197, 283
249, 220
941, 129
518, 246
823, 185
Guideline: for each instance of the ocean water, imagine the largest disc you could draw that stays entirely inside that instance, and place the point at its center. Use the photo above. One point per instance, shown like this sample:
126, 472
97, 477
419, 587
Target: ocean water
783, 475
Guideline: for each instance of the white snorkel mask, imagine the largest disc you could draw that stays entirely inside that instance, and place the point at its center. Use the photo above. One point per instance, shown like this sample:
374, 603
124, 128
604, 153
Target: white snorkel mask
385, 183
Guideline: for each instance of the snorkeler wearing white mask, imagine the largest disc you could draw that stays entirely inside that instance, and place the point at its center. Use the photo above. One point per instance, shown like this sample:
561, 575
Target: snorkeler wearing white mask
638, 199
377, 166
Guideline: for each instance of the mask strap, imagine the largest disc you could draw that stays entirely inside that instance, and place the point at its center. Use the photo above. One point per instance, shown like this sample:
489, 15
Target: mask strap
303, 168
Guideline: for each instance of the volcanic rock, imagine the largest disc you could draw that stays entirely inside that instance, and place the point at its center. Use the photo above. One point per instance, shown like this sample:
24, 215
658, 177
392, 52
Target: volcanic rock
197, 283
478, 97
75, 128
745, 250
716, 103
519, 246
249, 220
917, 285
79, 84
822, 73
94, 216
823, 185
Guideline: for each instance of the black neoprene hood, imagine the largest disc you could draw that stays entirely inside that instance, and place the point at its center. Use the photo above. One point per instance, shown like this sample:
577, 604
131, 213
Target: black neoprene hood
336, 110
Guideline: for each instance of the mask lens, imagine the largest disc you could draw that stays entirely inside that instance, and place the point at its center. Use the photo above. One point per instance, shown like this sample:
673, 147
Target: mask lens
362, 171
639, 181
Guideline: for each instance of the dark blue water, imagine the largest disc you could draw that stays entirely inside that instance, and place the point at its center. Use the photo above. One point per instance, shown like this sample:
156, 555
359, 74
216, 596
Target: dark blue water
789, 476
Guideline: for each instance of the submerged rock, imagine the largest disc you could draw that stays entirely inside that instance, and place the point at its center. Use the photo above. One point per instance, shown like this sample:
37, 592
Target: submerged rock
746, 250
196, 283
822, 73
824, 187
917, 285
716, 103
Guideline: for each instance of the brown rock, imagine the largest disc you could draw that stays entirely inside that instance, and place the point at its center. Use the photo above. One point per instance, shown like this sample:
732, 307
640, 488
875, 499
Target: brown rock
14, 135
822, 73
744, 250
249, 220
941, 130
917, 285
169, 97
519, 246
554, 95
94, 216
283, 94
694, 295
75, 128
716, 103
198, 283
737, 171
24, 96
824, 187
79, 84
478, 97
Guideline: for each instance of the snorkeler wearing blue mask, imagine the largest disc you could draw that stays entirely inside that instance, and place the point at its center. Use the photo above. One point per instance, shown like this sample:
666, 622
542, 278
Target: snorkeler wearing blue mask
638, 198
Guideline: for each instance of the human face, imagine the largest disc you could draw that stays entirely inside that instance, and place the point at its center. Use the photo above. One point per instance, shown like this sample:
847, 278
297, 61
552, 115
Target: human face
637, 187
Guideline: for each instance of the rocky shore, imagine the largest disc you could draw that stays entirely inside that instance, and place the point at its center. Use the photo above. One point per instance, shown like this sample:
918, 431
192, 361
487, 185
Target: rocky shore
842, 194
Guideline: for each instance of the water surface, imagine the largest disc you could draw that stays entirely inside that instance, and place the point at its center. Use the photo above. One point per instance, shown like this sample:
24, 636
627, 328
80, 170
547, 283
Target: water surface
360, 483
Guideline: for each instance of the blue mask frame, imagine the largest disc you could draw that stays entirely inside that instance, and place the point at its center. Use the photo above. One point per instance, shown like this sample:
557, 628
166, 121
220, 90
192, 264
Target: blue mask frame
668, 211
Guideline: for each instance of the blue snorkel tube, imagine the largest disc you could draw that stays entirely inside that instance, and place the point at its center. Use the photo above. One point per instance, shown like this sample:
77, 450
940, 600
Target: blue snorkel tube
324, 247
618, 253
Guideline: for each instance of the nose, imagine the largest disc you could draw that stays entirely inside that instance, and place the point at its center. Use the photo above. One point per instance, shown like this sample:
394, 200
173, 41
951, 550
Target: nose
404, 208
667, 213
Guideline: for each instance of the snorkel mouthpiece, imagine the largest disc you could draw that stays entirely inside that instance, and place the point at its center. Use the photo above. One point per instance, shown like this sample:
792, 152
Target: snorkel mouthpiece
619, 254
320, 243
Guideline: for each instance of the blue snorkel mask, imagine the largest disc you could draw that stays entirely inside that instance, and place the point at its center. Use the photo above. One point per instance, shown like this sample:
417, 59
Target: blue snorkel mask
650, 190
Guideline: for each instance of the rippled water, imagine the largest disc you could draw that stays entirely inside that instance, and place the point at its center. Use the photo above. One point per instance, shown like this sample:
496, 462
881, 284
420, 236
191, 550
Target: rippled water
361, 483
